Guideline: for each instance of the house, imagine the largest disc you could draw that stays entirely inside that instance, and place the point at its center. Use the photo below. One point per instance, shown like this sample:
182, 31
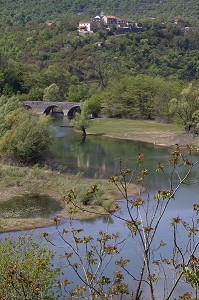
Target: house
49, 23
123, 22
128, 26
135, 27
85, 26
97, 19
109, 20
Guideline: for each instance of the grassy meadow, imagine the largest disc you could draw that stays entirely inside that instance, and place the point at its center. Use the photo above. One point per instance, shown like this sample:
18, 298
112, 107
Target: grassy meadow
140, 130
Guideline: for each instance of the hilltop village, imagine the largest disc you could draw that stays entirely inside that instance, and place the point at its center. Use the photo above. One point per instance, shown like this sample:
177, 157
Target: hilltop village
109, 22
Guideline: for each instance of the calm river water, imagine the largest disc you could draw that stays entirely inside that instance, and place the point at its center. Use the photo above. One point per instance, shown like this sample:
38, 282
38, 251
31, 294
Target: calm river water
99, 157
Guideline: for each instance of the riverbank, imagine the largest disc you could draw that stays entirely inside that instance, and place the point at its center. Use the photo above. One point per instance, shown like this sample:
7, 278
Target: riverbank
24, 181
160, 134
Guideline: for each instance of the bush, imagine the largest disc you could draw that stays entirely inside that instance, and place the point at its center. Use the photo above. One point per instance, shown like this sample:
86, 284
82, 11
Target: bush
28, 138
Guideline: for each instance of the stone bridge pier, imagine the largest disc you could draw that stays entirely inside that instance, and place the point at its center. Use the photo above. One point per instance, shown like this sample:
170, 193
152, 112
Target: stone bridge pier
42, 107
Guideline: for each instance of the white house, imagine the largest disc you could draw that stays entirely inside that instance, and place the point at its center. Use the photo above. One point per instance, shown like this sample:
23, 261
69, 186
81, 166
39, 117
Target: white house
85, 26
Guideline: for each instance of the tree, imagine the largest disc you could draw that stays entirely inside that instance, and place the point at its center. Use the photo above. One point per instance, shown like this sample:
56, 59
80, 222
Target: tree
98, 69
195, 117
94, 105
26, 269
184, 109
52, 93
165, 90
7, 105
132, 97
77, 92
82, 120
35, 94
28, 139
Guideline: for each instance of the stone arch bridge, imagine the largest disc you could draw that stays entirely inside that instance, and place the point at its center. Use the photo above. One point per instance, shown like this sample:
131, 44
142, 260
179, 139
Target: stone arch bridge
42, 107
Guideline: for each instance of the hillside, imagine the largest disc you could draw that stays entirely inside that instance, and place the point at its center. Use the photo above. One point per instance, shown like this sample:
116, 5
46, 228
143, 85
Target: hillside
22, 11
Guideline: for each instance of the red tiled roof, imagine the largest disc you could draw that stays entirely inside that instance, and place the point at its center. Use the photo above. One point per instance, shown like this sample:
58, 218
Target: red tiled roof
86, 21
110, 17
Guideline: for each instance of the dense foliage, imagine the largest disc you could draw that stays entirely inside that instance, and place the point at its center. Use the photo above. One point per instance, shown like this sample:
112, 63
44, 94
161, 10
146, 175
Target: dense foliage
26, 269
24, 137
21, 11
35, 56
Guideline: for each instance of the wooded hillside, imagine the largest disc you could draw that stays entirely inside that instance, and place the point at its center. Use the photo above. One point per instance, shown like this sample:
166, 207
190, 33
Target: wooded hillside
22, 11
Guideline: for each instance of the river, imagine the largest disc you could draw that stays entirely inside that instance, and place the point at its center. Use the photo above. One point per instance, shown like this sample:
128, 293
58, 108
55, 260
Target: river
100, 157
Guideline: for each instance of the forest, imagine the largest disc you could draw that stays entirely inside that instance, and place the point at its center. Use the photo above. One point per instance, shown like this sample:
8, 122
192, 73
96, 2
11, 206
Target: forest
22, 11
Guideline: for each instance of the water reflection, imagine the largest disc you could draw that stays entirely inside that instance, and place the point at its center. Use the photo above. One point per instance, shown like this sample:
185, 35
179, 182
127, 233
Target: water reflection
29, 206
104, 219
100, 156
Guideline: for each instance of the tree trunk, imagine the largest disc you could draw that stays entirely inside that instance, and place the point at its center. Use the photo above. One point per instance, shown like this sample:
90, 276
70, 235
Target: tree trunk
83, 132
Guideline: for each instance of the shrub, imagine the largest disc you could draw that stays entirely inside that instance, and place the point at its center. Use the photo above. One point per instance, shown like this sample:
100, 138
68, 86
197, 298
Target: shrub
29, 138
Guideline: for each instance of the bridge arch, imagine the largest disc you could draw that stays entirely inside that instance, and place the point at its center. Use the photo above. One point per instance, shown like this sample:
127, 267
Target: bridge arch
50, 108
73, 110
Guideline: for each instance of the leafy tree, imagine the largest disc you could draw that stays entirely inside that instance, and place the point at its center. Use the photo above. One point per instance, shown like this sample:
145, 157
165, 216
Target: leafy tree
55, 73
35, 94
26, 269
94, 105
82, 120
97, 68
93, 260
77, 92
28, 139
7, 105
165, 90
52, 93
184, 109
7, 90
195, 117
131, 97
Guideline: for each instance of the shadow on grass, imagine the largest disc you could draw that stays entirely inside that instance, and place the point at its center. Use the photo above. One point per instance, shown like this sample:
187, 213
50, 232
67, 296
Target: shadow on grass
97, 134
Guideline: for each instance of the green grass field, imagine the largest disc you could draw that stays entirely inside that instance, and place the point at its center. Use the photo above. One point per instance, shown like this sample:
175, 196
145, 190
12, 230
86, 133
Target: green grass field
139, 130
